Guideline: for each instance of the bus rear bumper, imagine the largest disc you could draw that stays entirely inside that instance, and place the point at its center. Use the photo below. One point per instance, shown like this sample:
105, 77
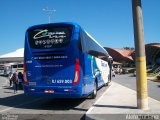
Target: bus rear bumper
55, 92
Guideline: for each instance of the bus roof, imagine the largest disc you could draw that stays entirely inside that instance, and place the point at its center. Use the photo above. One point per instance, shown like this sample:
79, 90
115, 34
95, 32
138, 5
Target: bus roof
97, 43
51, 24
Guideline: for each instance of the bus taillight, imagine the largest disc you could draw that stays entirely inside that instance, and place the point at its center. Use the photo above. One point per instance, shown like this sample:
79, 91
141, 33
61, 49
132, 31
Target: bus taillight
24, 74
77, 72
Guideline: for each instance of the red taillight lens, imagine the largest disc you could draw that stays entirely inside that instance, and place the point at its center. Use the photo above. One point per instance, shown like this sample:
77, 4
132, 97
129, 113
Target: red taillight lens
24, 74
77, 72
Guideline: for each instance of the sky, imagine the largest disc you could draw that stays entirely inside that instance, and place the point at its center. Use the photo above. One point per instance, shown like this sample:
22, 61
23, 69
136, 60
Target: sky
108, 21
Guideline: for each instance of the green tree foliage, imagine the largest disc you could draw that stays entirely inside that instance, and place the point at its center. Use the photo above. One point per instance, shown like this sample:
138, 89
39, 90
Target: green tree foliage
128, 48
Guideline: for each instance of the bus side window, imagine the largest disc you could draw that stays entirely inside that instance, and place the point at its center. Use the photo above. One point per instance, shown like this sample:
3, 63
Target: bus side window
79, 43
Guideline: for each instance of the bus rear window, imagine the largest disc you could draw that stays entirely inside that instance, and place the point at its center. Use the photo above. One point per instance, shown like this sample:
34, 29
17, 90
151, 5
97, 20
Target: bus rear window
49, 37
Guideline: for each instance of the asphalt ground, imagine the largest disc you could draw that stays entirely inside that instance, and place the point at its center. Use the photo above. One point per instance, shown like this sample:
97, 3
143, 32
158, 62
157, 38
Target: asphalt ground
37, 108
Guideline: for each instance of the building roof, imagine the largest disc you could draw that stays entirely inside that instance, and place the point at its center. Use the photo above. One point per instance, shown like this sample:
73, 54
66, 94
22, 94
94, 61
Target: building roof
17, 53
152, 52
124, 56
120, 55
13, 56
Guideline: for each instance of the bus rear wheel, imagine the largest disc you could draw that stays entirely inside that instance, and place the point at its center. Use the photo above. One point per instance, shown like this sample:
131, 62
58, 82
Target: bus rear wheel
94, 94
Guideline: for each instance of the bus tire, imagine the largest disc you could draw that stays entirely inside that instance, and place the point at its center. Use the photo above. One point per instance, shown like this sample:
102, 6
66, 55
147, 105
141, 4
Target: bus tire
94, 94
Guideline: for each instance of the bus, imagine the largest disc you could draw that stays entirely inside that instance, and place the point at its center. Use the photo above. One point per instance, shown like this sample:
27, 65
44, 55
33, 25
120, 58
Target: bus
1, 69
17, 67
7, 68
62, 60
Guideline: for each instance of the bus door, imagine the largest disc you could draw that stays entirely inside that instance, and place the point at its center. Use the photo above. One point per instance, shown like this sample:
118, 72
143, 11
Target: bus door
99, 71
88, 75
105, 71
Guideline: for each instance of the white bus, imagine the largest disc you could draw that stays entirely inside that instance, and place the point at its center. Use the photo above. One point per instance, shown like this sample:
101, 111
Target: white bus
7, 68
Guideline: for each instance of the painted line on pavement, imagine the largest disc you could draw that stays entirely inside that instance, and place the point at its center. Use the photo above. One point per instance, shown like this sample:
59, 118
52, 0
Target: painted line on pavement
154, 99
89, 111
20, 105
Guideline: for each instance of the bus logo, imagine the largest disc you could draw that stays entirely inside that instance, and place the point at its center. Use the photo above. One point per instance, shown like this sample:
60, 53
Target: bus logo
45, 33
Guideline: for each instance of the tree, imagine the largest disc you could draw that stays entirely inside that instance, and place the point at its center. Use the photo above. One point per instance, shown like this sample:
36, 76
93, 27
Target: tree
128, 48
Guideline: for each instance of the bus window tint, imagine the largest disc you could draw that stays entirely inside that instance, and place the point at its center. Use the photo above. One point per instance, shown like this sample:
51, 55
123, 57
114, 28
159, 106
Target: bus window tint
14, 66
20, 65
79, 43
92, 47
49, 37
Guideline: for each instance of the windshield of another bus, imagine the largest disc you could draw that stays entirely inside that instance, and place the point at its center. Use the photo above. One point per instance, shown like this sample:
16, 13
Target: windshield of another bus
20, 65
49, 37
14, 66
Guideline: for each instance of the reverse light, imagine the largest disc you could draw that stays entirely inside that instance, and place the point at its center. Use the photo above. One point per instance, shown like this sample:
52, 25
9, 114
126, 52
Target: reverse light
68, 90
31, 89
77, 72
49, 91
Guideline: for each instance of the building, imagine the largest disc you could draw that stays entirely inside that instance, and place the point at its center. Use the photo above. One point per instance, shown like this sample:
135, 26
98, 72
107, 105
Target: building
153, 53
121, 55
15, 56
128, 56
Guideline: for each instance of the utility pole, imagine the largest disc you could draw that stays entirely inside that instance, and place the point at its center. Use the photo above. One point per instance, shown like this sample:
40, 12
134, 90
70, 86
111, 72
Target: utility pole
141, 80
49, 13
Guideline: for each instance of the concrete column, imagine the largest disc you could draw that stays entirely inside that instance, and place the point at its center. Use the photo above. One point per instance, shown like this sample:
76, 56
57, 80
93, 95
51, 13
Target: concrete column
141, 79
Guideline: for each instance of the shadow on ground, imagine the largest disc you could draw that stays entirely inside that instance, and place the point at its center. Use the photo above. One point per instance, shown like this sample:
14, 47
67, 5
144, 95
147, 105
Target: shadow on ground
23, 101
116, 106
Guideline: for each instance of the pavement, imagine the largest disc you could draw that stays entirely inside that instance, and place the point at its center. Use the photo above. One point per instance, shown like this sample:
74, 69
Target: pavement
120, 103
